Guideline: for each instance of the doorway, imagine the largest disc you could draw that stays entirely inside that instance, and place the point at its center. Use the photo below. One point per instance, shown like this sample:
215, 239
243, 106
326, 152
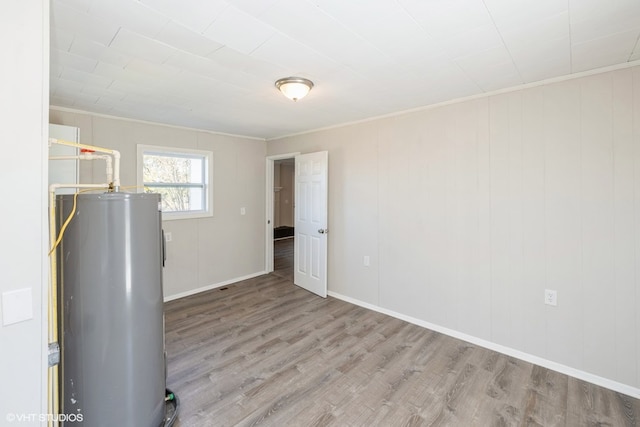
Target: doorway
283, 198
283, 217
310, 219
280, 231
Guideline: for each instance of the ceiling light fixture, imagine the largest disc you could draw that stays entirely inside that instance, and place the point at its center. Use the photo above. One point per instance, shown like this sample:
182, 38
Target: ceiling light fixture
294, 88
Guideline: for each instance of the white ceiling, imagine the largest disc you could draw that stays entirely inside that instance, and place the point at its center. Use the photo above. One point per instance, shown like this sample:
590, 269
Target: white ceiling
212, 64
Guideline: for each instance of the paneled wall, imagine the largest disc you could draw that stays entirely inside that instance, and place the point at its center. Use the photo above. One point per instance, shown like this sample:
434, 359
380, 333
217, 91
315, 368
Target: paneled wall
206, 251
24, 265
469, 211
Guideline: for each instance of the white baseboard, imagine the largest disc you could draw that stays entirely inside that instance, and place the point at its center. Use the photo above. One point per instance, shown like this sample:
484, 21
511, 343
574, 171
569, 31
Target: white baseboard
567, 370
214, 286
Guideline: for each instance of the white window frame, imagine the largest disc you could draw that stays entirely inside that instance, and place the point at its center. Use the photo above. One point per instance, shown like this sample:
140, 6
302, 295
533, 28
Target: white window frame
163, 150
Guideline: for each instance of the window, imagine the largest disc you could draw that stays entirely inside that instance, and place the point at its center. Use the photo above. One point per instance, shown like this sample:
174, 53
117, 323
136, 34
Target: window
181, 176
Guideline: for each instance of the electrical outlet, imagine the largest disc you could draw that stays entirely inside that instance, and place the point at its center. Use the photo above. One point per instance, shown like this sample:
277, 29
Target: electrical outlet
243, 211
167, 236
551, 297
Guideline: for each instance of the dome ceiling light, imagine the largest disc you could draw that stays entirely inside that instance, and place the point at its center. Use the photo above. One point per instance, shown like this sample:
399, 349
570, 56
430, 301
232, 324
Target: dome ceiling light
294, 88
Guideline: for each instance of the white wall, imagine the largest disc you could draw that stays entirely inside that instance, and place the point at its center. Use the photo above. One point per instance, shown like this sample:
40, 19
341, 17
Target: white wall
285, 198
287, 194
470, 210
276, 195
24, 42
207, 251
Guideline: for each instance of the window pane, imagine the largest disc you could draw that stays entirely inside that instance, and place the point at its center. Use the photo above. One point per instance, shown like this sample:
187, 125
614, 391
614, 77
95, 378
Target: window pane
181, 176
172, 169
180, 199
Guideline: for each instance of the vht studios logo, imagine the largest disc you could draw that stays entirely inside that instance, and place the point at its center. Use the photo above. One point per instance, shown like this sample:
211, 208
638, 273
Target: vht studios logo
21, 418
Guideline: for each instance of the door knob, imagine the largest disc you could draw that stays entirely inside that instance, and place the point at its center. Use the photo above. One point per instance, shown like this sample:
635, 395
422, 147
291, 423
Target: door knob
323, 231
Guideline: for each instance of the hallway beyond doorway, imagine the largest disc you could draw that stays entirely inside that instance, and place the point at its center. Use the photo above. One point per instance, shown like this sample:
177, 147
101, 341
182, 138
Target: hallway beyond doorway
283, 258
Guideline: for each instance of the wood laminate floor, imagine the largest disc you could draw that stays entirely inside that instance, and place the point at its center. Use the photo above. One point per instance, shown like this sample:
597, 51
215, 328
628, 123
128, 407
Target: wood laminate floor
265, 352
283, 258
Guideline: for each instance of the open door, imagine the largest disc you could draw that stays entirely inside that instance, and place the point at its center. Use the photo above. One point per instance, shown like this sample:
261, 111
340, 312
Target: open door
310, 263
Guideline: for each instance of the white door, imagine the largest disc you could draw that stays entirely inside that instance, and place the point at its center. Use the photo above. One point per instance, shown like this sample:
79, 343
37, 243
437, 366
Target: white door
310, 263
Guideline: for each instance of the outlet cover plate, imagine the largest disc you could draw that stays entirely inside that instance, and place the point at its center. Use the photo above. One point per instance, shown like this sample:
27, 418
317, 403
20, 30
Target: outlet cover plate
551, 297
17, 306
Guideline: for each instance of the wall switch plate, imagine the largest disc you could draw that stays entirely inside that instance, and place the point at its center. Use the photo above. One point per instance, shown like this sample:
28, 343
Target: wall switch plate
366, 261
167, 236
551, 297
243, 211
17, 306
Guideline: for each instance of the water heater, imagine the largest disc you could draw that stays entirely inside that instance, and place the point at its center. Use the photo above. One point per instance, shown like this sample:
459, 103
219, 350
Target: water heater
111, 309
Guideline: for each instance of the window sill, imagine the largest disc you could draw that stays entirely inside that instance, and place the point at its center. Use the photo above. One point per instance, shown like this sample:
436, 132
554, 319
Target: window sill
171, 216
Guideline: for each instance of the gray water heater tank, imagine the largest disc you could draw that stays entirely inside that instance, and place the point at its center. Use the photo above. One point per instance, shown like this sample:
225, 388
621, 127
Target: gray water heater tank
111, 310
